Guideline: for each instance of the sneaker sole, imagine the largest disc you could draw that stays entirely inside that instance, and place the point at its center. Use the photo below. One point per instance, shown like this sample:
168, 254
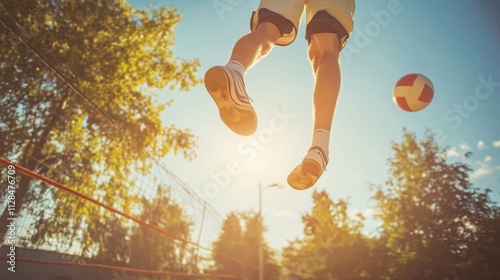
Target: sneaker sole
239, 119
305, 175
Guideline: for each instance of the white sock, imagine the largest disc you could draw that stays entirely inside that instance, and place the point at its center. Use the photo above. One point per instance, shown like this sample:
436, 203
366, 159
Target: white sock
321, 138
236, 66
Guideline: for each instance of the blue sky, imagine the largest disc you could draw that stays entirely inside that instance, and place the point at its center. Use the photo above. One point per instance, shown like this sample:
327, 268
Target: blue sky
453, 42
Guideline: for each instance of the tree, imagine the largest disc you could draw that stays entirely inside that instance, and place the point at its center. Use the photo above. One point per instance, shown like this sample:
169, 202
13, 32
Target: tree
333, 246
136, 246
75, 84
431, 214
114, 248
154, 251
239, 240
229, 244
489, 244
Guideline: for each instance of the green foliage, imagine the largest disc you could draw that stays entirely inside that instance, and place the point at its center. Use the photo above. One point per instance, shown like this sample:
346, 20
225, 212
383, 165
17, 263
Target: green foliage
229, 244
333, 246
76, 84
431, 213
434, 225
239, 239
131, 245
150, 249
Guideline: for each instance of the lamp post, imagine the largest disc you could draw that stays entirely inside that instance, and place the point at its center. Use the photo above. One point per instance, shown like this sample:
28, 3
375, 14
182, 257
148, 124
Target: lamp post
261, 238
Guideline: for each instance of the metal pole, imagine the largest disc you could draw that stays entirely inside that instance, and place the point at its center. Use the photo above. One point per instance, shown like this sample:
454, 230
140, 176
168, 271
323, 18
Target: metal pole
261, 253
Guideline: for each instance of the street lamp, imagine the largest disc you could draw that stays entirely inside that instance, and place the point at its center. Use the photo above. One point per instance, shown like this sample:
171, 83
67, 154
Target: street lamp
261, 237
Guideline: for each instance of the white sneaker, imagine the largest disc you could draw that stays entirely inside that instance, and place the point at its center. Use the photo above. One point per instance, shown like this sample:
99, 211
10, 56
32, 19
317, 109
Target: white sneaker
308, 172
227, 88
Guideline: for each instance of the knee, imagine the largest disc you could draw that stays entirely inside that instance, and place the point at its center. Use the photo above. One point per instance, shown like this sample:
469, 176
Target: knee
322, 51
320, 55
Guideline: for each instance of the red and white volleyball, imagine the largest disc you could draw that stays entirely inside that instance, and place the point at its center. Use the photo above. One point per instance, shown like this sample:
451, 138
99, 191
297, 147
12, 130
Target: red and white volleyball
413, 92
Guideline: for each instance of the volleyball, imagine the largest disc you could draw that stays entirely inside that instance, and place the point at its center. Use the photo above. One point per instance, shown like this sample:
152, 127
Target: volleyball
413, 92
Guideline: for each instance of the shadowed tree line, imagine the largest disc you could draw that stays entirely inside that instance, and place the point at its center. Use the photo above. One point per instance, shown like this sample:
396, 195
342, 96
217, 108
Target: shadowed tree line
240, 239
131, 245
434, 224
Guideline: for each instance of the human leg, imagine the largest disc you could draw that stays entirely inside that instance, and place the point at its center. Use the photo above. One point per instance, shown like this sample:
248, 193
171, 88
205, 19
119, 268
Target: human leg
225, 83
250, 48
323, 55
325, 35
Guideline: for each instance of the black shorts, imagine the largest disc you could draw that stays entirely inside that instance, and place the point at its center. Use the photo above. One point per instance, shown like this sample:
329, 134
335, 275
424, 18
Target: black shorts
322, 22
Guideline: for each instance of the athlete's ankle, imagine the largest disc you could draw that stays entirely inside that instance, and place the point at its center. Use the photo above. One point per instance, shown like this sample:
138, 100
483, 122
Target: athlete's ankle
321, 139
237, 67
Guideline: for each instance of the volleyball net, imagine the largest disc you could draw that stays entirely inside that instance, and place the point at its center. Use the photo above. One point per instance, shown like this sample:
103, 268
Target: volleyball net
165, 231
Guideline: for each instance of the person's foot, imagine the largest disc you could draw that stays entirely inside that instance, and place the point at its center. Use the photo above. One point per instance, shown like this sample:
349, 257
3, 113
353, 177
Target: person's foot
308, 172
227, 88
